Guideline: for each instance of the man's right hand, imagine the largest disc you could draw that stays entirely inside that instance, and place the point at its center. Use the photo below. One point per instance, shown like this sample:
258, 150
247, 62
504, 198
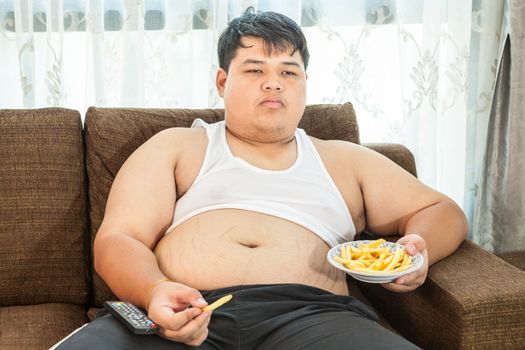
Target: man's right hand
177, 309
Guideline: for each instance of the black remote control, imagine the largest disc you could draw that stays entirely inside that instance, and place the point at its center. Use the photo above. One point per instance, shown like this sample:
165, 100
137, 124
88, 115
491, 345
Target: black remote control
133, 317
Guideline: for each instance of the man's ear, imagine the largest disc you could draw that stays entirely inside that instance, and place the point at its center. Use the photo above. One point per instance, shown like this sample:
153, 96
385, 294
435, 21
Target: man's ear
220, 81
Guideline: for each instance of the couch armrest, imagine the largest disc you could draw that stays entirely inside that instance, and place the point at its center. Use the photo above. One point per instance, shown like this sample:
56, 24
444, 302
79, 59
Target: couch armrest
398, 153
471, 300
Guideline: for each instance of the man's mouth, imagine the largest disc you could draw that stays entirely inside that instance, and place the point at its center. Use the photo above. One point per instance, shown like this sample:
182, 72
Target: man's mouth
272, 103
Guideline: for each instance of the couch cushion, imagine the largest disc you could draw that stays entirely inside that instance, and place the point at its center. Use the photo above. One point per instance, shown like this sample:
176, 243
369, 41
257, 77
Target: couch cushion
38, 326
42, 207
112, 134
470, 300
516, 258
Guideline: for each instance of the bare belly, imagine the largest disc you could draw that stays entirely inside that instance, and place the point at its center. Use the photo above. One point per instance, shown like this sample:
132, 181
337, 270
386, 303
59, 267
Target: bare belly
230, 247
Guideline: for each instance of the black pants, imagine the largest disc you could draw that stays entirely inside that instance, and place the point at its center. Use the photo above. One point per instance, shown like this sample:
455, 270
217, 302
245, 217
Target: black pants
282, 316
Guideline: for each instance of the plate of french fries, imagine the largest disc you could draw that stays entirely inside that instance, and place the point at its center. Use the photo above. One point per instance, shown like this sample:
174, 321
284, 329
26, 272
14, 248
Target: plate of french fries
375, 261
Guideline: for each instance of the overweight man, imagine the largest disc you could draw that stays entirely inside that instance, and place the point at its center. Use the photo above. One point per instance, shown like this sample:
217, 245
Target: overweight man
250, 207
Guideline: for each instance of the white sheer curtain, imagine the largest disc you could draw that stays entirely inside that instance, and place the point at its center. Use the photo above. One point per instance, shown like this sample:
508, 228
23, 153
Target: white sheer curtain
489, 22
420, 73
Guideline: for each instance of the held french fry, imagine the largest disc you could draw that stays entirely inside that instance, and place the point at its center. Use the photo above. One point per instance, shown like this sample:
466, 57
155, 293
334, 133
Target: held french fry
218, 303
370, 257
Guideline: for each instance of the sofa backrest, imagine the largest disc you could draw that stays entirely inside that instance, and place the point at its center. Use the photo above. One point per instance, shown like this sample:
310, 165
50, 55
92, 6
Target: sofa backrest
43, 245
112, 134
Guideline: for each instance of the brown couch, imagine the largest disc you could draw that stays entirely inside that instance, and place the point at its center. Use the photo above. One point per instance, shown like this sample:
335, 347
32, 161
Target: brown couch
55, 174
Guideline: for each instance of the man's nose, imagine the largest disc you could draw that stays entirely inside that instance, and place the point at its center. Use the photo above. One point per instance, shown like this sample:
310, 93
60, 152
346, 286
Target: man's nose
272, 84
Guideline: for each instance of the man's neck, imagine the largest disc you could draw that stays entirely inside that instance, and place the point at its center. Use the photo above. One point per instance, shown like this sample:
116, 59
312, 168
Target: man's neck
275, 155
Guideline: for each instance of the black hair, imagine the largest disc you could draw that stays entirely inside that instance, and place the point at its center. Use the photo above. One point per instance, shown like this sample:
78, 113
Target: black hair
277, 31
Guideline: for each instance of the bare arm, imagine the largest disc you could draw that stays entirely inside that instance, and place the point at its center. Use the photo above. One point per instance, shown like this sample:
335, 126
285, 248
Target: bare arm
395, 202
139, 209
442, 225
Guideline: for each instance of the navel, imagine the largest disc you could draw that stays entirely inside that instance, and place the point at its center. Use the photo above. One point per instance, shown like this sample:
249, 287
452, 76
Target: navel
249, 245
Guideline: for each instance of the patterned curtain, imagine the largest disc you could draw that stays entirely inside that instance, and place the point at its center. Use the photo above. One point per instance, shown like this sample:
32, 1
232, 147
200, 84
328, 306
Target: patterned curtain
420, 73
499, 224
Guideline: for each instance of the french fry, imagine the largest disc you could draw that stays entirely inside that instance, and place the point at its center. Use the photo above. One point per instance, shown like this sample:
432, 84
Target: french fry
218, 303
345, 255
395, 260
371, 257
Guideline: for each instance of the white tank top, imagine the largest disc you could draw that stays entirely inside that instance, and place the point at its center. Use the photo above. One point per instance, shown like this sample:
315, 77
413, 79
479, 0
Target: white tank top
304, 193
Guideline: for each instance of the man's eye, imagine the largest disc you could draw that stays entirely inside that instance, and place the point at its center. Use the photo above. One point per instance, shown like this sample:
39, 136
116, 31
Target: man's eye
289, 73
256, 71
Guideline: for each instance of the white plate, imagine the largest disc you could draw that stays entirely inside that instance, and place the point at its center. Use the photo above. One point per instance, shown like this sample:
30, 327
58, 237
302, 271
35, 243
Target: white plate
373, 277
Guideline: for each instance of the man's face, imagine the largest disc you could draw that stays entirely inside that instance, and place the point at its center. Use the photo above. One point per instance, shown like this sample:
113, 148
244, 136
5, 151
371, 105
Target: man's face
264, 96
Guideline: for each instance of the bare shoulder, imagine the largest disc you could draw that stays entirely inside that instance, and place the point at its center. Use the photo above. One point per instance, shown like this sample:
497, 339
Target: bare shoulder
143, 194
167, 148
390, 194
174, 141
335, 145
359, 159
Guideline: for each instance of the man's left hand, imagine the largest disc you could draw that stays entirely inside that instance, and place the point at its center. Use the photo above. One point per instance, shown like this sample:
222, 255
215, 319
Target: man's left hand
413, 244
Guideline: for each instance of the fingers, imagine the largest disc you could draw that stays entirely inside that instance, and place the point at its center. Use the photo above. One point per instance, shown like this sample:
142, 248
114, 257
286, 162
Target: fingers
177, 309
172, 296
187, 296
192, 332
175, 320
407, 283
173, 316
413, 244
